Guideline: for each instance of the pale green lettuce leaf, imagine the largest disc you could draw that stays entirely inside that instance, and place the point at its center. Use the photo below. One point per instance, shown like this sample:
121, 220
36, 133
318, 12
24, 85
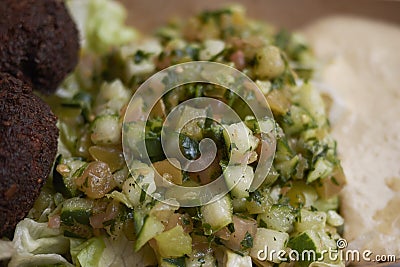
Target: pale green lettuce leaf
35, 244
28, 260
121, 252
90, 252
102, 252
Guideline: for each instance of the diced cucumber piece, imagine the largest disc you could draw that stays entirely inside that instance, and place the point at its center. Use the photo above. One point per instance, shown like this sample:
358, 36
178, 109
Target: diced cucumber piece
191, 122
322, 168
269, 63
239, 178
164, 210
326, 240
288, 167
239, 205
252, 123
143, 175
312, 134
307, 240
150, 229
217, 214
297, 120
211, 49
239, 140
141, 143
314, 242
270, 239
112, 97
327, 204
254, 207
309, 98
266, 125
334, 219
106, 129
75, 217
279, 218
232, 259
76, 210
283, 151
182, 243
301, 194
285, 159
310, 220
134, 136
130, 195
258, 202
136, 69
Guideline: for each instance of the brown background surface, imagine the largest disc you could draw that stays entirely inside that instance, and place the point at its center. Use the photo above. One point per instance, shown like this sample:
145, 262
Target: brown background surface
291, 14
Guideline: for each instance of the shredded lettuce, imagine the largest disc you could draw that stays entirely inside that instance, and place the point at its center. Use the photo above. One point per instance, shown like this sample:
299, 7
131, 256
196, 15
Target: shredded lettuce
35, 244
101, 24
102, 251
90, 252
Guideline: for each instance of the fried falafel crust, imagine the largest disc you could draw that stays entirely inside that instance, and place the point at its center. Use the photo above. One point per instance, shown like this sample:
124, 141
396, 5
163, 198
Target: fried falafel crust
39, 42
28, 146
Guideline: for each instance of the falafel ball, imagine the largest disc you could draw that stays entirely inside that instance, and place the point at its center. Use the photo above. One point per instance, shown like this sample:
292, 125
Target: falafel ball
28, 146
39, 42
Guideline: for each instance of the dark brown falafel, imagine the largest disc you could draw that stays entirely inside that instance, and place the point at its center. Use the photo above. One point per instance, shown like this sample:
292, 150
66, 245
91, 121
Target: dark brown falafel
28, 146
39, 42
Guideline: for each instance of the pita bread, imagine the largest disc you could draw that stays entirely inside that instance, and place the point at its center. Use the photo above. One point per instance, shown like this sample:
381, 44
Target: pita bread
360, 66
